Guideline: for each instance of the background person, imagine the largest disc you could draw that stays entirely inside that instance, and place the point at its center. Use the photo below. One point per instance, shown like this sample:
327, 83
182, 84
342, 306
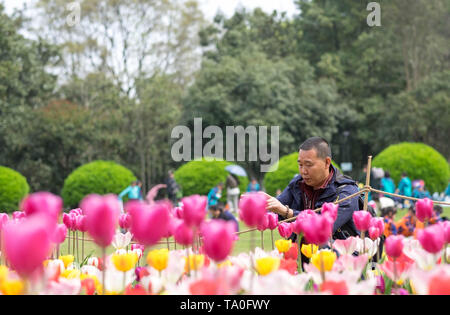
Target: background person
232, 184
218, 212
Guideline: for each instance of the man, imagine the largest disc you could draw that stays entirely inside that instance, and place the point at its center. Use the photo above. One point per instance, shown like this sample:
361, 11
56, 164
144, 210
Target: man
318, 182
218, 212
253, 186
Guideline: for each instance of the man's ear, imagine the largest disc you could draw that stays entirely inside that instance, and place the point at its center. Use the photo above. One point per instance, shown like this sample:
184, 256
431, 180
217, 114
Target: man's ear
327, 162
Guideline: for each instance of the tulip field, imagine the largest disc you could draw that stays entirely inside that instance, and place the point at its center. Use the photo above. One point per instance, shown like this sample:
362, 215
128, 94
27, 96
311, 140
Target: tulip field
160, 250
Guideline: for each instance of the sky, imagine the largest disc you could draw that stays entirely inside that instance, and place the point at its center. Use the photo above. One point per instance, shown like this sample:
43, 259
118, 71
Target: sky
209, 7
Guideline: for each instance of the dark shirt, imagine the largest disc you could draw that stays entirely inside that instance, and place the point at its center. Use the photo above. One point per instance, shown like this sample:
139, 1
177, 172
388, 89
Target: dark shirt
228, 216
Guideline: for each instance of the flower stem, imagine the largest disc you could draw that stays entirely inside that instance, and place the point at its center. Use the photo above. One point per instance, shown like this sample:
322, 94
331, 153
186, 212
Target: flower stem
262, 240
271, 233
104, 270
299, 257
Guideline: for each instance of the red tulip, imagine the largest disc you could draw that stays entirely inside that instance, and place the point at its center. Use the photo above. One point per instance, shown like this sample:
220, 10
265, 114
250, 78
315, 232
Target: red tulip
88, 285
252, 208
362, 220
292, 253
218, 239
60, 234
102, 213
42, 202
183, 234
394, 246
27, 243
285, 229
432, 238
273, 220
317, 229
439, 285
290, 265
149, 223
424, 209
264, 224
331, 210
194, 209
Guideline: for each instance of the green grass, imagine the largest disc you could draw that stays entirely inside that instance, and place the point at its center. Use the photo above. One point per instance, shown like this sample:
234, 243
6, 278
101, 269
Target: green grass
401, 212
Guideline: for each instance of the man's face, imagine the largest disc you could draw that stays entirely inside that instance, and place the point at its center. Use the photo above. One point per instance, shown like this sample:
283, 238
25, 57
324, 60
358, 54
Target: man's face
314, 170
215, 213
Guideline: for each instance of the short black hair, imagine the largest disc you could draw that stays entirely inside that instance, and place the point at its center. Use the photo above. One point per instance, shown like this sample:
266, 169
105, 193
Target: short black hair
387, 174
321, 146
438, 209
404, 174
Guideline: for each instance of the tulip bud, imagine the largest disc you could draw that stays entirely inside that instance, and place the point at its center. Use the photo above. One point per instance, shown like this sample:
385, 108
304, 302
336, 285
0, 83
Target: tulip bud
317, 229
218, 239
285, 229
44, 203
432, 238
362, 220
183, 234
194, 209
252, 208
394, 246
273, 220
424, 209
331, 210
263, 225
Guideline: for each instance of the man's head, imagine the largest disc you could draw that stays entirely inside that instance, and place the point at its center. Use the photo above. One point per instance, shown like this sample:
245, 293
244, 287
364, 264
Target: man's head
404, 174
220, 185
314, 159
216, 210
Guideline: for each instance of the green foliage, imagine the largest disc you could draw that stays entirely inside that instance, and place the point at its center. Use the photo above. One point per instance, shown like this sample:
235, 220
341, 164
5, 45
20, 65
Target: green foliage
419, 160
199, 176
13, 188
98, 177
287, 169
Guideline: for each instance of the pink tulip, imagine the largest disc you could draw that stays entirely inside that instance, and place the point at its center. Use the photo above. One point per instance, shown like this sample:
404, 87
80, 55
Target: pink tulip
137, 246
297, 225
376, 228
149, 223
374, 233
218, 239
42, 202
394, 246
362, 220
60, 234
347, 246
194, 209
424, 209
264, 224
273, 220
178, 212
80, 223
125, 221
102, 214
27, 243
317, 229
446, 227
4, 218
432, 238
331, 210
18, 215
285, 229
68, 221
252, 208
76, 211
183, 234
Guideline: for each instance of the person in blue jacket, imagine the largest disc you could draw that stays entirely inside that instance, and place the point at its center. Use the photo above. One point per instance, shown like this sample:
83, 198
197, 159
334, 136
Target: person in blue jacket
387, 184
404, 188
318, 182
214, 195
133, 191
253, 186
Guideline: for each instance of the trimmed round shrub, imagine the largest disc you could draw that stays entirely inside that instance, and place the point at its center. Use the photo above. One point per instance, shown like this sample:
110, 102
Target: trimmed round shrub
13, 188
199, 176
98, 177
419, 160
287, 169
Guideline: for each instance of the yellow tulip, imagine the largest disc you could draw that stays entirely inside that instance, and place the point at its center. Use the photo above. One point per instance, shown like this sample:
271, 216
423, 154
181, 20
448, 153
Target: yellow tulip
3, 273
266, 265
328, 259
195, 262
12, 287
124, 262
306, 250
283, 245
226, 263
158, 258
67, 260
71, 274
